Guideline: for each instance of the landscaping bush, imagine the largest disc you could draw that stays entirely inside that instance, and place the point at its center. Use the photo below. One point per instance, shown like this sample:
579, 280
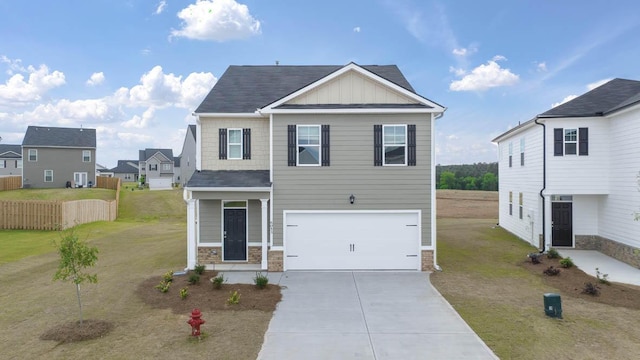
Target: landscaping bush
261, 280
234, 298
602, 278
168, 276
566, 262
591, 289
218, 281
553, 254
535, 258
199, 269
551, 271
193, 279
163, 286
184, 292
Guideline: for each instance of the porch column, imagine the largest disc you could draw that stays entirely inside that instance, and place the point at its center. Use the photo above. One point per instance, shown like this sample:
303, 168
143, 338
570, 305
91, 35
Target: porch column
191, 234
265, 240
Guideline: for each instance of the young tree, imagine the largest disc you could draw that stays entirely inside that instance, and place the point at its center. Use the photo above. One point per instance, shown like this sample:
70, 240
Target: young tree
447, 180
75, 256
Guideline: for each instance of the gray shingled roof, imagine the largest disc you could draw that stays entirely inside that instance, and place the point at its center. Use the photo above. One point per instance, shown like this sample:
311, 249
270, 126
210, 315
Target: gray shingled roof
610, 97
243, 89
7, 151
125, 168
230, 178
193, 131
147, 153
46, 136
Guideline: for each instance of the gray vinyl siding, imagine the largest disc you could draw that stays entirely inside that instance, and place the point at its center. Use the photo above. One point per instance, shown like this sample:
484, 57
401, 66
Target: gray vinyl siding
211, 218
10, 167
352, 171
63, 161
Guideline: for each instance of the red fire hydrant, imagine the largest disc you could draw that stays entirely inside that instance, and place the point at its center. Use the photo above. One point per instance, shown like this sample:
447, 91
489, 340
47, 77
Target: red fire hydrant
195, 322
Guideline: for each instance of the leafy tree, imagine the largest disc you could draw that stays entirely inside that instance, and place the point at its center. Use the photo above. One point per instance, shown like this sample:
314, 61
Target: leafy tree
489, 182
469, 183
447, 180
75, 256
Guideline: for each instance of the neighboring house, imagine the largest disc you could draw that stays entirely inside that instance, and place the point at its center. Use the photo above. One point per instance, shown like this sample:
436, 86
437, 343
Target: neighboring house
187, 158
157, 167
56, 157
314, 167
569, 176
10, 160
127, 170
103, 171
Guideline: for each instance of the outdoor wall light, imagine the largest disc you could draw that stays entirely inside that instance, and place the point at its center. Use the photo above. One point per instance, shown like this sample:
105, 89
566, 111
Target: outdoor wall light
352, 199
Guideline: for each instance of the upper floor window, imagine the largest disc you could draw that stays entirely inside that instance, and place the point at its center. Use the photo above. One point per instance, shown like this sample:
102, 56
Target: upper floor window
308, 145
86, 155
394, 145
234, 144
48, 176
166, 167
18, 164
510, 154
522, 152
510, 202
153, 167
33, 154
571, 141
3, 164
521, 206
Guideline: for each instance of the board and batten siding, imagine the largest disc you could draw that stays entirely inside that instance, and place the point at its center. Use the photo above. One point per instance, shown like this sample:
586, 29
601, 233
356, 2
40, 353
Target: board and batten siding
210, 223
575, 174
352, 171
351, 88
617, 209
210, 142
518, 179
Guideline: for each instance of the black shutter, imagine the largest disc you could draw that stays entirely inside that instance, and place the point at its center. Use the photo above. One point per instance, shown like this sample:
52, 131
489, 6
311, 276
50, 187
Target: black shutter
583, 141
521, 159
246, 144
557, 142
411, 145
377, 145
222, 144
325, 145
510, 160
291, 144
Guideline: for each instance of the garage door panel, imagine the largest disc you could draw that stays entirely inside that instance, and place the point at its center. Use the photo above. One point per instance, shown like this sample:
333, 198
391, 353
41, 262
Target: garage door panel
353, 240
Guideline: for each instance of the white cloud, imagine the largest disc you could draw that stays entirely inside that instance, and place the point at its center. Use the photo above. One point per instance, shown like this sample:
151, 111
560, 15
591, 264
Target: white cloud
140, 121
135, 137
485, 76
161, 6
566, 99
96, 78
145, 51
596, 84
452, 137
460, 52
15, 65
356, 29
16, 89
457, 71
217, 20
541, 67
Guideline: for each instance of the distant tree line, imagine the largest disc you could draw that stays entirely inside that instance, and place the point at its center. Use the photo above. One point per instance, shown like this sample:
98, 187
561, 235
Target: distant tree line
478, 176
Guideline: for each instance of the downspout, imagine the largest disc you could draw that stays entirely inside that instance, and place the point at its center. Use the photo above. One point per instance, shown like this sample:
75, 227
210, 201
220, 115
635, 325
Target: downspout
544, 182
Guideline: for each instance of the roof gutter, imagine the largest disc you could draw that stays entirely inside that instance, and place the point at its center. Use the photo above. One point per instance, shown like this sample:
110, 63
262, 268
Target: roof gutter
544, 182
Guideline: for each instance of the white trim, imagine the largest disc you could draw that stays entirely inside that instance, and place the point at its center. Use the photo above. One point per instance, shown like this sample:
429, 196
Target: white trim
264, 236
229, 144
45, 176
319, 146
246, 230
434, 232
229, 189
406, 145
229, 115
353, 111
198, 143
271, 180
29, 155
364, 72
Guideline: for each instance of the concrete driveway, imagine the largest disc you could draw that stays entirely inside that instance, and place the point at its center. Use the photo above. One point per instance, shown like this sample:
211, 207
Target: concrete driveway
366, 315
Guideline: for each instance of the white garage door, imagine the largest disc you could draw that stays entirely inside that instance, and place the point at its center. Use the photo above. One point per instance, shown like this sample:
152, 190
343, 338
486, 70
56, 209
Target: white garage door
361, 240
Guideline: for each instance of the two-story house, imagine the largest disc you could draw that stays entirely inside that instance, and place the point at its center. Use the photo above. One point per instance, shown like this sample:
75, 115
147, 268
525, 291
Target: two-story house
126, 170
186, 162
10, 160
156, 165
569, 177
55, 157
314, 167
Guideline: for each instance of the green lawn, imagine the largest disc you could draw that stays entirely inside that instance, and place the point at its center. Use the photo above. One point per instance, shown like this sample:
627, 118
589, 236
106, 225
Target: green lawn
58, 194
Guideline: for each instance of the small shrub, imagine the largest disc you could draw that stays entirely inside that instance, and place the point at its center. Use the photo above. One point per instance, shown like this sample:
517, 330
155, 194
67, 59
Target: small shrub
535, 258
163, 286
553, 254
199, 269
591, 289
566, 262
551, 271
193, 279
602, 278
261, 280
234, 298
184, 292
168, 276
218, 281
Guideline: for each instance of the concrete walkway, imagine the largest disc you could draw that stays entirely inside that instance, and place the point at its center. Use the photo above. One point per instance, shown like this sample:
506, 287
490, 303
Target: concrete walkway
589, 260
365, 315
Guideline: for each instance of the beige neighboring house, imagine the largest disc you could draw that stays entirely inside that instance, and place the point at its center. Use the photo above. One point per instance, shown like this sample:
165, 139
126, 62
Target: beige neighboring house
10, 160
314, 168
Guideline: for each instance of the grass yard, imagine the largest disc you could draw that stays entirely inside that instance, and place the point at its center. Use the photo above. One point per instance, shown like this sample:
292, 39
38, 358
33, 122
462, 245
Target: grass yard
58, 194
148, 239
483, 278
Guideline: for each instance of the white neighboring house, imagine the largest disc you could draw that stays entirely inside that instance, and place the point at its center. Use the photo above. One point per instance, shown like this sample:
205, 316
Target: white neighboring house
157, 165
569, 176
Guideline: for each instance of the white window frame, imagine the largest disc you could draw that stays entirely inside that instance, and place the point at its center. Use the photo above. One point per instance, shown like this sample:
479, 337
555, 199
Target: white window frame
319, 145
45, 176
35, 155
86, 155
385, 144
166, 167
230, 144
574, 142
3, 164
19, 164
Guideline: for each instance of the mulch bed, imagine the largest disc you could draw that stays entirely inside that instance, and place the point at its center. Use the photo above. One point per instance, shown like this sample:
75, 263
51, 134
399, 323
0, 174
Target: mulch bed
74, 331
204, 297
571, 282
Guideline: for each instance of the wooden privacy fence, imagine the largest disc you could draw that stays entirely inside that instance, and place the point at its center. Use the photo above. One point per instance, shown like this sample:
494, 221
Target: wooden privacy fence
10, 183
54, 215
112, 183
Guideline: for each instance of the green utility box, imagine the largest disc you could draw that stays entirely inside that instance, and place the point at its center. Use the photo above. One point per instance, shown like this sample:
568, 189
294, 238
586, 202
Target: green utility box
553, 305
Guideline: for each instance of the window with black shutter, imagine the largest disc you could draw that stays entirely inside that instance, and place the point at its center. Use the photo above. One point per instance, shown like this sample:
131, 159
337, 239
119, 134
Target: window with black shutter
411, 145
325, 146
291, 145
246, 144
222, 144
558, 134
583, 141
377, 145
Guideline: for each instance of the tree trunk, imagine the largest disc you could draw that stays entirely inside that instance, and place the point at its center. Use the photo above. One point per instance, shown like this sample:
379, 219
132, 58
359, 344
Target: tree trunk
79, 302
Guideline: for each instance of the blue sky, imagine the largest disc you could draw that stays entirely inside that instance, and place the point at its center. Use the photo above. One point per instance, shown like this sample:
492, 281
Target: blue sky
136, 70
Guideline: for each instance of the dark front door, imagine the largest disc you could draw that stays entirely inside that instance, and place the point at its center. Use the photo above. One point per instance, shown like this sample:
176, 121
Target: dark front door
235, 234
562, 224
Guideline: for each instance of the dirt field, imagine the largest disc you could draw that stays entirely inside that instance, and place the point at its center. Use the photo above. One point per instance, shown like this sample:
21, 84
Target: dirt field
467, 204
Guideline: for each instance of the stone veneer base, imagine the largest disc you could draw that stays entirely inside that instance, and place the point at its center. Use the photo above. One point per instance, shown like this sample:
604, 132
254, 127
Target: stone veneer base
625, 253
